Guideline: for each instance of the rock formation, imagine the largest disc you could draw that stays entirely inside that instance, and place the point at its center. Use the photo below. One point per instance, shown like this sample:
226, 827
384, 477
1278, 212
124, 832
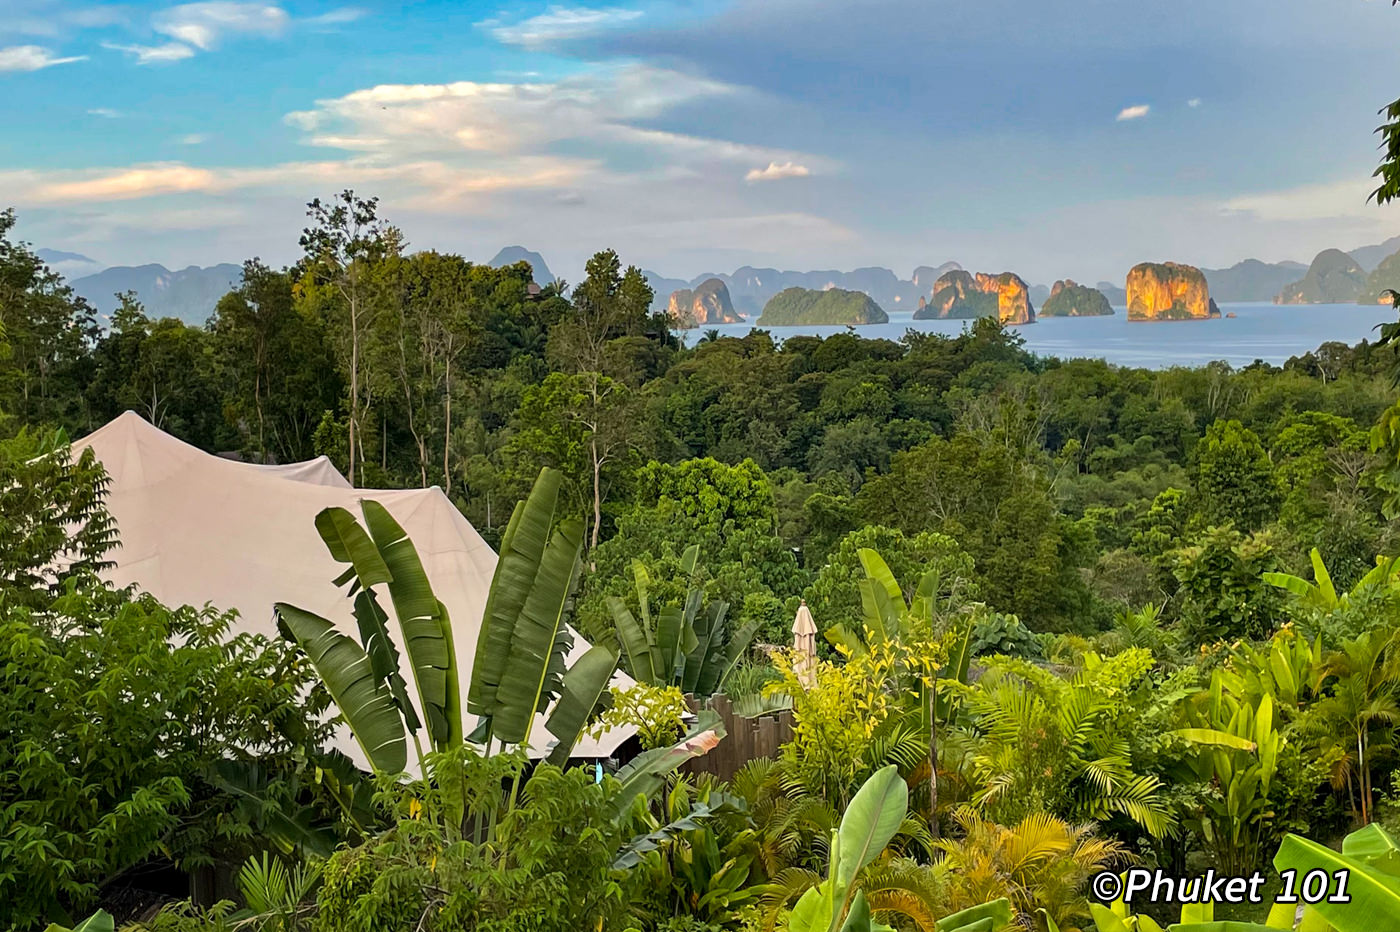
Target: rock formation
1168, 291
959, 295
1383, 283
707, 304
804, 306
1068, 298
1333, 278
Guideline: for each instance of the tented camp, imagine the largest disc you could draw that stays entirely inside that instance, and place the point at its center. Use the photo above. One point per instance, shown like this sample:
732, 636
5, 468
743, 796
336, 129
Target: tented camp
197, 528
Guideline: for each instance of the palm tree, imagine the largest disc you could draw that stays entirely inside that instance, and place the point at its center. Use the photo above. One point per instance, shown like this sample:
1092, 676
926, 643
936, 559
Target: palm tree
1041, 862
1368, 674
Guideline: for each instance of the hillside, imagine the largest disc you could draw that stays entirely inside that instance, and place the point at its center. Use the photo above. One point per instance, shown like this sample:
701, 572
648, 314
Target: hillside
1385, 278
793, 307
1252, 280
188, 294
1333, 278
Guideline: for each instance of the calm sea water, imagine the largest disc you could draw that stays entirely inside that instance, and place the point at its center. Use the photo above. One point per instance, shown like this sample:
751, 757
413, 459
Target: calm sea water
1258, 331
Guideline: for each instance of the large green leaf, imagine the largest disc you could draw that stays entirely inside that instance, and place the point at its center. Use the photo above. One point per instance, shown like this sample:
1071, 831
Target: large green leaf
1374, 846
348, 543
366, 704
872, 819
422, 623
522, 546
635, 641
646, 773
1375, 897
1220, 925
584, 686
523, 630
534, 664
996, 913
372, 621
1215, 737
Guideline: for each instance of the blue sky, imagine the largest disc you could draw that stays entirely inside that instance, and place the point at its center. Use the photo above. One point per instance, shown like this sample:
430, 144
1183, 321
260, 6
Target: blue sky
1054, 138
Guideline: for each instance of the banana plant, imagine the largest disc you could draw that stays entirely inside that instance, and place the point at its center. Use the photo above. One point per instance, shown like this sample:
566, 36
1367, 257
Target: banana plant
871, 821
100, 921
687, 644
1321, 593
520, 652
363, 678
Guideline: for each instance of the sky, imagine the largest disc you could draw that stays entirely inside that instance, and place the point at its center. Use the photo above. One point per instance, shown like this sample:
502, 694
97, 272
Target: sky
1054, 138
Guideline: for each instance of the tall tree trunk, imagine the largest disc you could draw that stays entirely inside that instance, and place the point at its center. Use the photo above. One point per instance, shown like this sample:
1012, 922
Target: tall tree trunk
354, 383
597, 498
933, 759
447, 428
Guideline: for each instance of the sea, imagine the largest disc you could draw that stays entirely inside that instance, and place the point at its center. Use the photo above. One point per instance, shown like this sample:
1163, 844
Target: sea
1267, 332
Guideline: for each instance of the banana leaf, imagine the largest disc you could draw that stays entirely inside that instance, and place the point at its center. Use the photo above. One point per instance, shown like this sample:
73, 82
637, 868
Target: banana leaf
646, 773
366, 704
348, 543
871, 821
584, 686
372, 621
1220, 925
1375, 896
422, 622
635, 641
517, 667
1376, 847
996, 914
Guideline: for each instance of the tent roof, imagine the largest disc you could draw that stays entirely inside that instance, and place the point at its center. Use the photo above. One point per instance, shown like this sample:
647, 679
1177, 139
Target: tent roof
199, 529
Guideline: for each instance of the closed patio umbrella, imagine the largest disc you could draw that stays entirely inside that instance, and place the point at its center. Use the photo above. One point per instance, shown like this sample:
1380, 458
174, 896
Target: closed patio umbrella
804, 643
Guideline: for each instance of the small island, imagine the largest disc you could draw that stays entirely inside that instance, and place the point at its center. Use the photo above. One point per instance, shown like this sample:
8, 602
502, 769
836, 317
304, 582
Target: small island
1333, 278
794, 307
1068, 298
960, 295
1168, 291
708, 304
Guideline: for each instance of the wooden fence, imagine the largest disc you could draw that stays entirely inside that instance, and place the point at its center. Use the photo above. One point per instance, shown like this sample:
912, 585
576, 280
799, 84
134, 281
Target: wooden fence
746, 739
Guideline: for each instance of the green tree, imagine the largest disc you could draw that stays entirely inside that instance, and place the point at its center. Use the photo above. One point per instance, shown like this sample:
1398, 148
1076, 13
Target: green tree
345, 240
1234, 479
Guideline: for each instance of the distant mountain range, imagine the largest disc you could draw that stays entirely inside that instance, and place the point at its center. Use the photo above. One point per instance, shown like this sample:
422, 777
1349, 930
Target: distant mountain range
513, 254
188, 294
191, 293
750, 288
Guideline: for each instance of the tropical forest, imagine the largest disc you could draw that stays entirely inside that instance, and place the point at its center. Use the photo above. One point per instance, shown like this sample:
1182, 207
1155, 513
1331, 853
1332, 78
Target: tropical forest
506, 605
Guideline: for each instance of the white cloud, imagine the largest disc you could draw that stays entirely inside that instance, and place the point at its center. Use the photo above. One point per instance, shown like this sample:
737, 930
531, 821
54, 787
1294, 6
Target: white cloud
153, 54
776, 171
31, 58
1135, 112
192, 139
203, 24
559, 23
1334, 200
340, 17
1194, 102
107, 113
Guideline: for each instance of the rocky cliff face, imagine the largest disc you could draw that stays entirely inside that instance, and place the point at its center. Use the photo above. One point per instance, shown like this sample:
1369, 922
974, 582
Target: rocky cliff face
1168, 291
706, 305
961, 295
1068, 298
1333, 278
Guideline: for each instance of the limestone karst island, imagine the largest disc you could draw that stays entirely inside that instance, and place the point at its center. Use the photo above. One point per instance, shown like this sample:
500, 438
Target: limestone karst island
1168, 291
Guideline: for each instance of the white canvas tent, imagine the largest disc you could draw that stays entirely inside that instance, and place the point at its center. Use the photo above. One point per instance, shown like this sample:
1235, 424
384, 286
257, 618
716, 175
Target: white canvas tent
197, 528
